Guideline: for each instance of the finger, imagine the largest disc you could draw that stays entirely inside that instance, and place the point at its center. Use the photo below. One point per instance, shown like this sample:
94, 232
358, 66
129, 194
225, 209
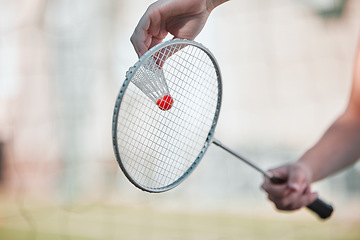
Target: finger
138, 45
278, 176
294, 201
308, 199
155, 41
165, 53
297, 178
275, 190
302, 201
140, 37
284, 202
281, 172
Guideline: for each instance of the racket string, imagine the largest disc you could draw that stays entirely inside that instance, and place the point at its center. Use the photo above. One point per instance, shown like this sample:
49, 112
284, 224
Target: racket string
160, 146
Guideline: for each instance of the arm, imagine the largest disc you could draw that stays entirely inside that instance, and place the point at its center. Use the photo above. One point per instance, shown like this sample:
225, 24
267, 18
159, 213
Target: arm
181, 18
337, 149
340, 145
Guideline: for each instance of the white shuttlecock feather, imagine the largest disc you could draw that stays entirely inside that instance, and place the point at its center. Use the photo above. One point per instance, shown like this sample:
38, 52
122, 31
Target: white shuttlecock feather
150, 79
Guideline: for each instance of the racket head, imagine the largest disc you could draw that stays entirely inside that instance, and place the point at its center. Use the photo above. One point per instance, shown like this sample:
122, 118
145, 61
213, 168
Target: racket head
155, 149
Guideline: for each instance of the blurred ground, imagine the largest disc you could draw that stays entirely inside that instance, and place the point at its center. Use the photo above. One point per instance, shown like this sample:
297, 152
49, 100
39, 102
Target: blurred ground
101, 221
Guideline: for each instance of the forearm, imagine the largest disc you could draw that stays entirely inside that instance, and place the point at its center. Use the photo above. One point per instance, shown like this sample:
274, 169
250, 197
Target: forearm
338, 148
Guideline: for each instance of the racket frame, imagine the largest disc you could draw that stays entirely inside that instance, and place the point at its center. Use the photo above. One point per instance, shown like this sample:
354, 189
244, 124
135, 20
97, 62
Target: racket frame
122, 92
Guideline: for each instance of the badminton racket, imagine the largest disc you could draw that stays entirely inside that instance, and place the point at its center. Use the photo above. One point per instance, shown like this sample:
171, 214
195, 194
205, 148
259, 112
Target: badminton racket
165, 117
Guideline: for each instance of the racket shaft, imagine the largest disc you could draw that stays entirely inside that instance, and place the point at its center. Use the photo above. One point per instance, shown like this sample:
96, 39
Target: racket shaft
219, 144
321, 208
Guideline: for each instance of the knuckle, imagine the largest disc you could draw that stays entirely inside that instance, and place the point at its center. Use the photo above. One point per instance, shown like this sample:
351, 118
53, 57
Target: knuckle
283, 203
151, 8
307, 200
293, 206
280, 206
271, 198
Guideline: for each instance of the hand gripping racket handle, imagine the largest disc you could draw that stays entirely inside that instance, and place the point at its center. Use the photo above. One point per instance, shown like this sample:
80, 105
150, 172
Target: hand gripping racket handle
321, 208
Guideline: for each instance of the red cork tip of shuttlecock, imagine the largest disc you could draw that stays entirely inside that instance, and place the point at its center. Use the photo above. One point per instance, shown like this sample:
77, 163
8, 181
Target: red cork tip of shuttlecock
165, 103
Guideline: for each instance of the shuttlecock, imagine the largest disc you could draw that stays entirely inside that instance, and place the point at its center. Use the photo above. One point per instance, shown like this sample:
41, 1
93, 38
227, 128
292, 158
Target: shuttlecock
150, 79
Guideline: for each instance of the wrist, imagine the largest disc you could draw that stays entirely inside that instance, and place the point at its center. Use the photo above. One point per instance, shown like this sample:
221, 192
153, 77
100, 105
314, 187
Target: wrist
307, 169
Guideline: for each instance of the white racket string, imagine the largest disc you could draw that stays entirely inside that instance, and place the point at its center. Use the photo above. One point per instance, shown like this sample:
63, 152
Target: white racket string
158, 147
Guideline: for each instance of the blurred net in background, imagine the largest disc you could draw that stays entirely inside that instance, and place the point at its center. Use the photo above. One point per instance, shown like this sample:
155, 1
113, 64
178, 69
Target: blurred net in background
61, 65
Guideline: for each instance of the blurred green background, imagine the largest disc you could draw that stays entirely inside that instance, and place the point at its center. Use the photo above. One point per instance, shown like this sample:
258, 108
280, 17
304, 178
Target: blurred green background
286, 67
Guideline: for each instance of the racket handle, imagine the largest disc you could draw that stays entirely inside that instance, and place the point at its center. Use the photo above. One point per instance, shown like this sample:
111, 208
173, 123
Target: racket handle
321, 208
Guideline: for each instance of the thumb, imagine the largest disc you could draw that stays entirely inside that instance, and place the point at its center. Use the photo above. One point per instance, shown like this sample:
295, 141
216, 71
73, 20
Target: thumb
297, 178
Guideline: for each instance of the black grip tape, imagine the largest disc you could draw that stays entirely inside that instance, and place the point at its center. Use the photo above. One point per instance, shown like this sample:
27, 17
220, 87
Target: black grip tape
321, 208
